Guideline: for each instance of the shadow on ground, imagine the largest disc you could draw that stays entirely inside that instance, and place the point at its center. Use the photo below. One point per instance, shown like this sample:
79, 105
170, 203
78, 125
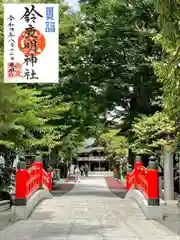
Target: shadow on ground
81, 190
63, 186
120, 193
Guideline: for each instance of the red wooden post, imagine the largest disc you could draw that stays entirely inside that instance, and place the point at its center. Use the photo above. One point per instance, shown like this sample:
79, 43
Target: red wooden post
21, 185
136, 181
127, 181
153, 187
50, 181
128, 176
40, 170
38, 163
138, 164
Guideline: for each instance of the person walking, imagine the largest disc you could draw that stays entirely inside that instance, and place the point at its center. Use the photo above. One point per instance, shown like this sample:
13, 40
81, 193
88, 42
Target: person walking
77, 174
86, 170
82, 170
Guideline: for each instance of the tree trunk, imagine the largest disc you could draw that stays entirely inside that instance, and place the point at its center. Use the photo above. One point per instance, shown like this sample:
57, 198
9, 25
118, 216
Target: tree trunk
53, 157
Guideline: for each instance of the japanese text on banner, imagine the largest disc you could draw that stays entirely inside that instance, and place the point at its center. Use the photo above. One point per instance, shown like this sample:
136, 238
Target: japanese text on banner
32, 32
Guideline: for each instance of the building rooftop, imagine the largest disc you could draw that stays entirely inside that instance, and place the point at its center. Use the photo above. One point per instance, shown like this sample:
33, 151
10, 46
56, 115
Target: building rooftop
91, 149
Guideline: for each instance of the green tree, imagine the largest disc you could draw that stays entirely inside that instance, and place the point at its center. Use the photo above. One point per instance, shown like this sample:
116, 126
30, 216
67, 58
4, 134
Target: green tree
104, 63
115, 146
148, 131
167, 69
107, 63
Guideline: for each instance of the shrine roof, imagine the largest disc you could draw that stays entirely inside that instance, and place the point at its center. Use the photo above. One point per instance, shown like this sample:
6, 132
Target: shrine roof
91, 149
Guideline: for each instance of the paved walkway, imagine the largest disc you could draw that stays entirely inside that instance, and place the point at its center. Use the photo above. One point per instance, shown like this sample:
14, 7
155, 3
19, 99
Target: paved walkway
88, 212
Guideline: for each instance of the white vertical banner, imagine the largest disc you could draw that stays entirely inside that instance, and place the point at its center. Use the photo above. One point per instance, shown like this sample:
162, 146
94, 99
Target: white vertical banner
31, 43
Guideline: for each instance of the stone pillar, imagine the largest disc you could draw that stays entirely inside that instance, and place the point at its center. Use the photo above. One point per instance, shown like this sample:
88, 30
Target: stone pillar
90, 166
179, 177
168, 175
161, 195
22, 163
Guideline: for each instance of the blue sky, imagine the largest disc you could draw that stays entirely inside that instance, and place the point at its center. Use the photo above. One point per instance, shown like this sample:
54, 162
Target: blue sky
72, 3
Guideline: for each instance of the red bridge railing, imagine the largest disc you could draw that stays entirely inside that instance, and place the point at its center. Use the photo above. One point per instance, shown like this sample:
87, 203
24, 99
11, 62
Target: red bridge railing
30, 180
145, 180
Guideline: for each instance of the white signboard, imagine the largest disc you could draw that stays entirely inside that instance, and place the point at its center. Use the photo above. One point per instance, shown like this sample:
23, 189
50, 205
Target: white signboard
31, 43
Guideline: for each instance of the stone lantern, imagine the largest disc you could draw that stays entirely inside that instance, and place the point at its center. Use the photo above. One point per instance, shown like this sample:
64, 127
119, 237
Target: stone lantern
152, 162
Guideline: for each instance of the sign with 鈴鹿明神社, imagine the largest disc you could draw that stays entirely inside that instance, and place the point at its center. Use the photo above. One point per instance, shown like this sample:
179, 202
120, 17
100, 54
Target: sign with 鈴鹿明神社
31, 43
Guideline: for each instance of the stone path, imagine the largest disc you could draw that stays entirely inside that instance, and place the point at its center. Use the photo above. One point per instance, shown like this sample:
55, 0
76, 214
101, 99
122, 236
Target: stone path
88, 212
5, 217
